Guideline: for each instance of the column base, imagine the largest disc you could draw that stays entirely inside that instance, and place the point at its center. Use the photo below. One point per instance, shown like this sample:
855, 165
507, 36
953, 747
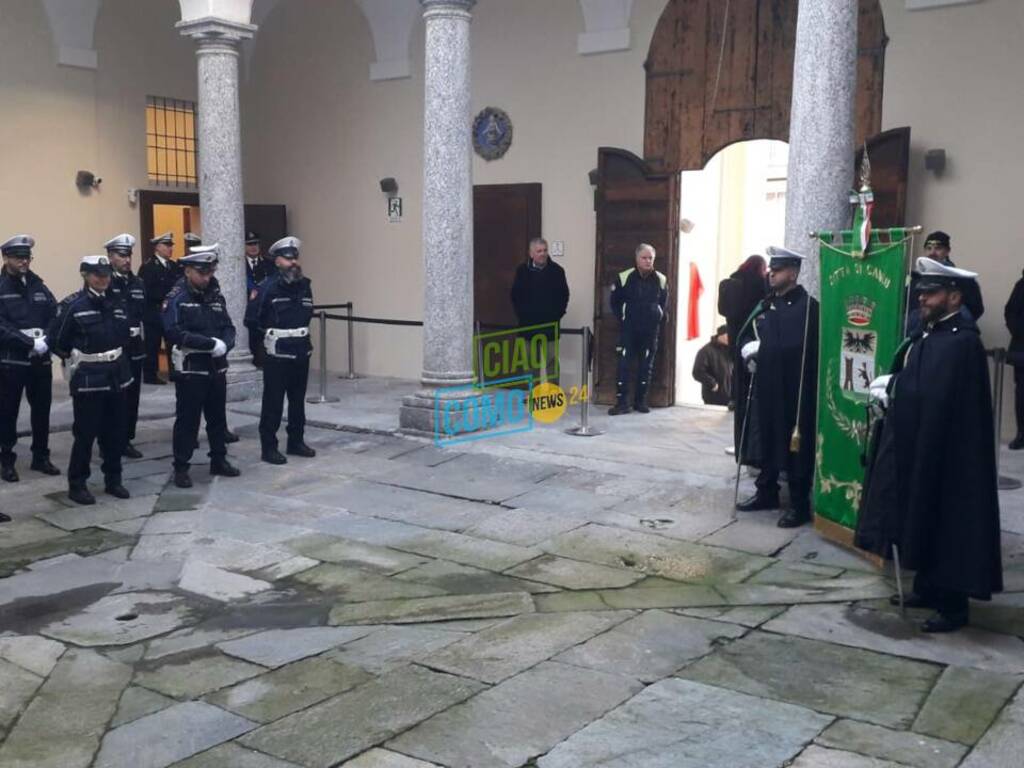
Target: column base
420, 417
245, 380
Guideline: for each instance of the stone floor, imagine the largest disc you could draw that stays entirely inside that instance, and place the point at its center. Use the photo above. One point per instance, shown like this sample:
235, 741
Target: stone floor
530, 600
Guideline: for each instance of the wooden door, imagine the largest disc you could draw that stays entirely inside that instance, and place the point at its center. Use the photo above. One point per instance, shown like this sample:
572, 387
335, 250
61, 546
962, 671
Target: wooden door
505, 218
634, 205
889, 154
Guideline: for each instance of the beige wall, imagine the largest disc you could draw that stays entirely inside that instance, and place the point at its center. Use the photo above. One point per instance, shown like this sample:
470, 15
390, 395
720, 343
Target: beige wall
58, 120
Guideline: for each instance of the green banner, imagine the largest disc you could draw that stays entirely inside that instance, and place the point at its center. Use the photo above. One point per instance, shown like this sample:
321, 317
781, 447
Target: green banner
862, 316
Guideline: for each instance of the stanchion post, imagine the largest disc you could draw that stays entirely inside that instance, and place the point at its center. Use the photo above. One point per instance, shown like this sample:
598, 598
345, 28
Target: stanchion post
999, 356
322, 397
351, 349
479, 355
584, 429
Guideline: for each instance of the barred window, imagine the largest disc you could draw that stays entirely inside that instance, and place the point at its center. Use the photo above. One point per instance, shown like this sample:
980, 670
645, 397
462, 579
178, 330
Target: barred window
171, 141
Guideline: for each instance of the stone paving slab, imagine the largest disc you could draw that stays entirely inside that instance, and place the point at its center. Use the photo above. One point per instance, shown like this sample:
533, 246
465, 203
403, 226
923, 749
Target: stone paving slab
168, 736
679, 596
433, 609
210, 581
903, 747
122, 619
193, 678
747, 616
964, 703
36, 654
277, 647
371, 713
467, 550
784, 573
28, 532
231, 755
820, 757
848, 682
651, 646
524, 527
353, 585
223, 552
63, 725
521, 718
1003, 744
290, 567
810, 547
17, 686
843, 589
63, 577
574, 574
333, 549
138, 702
553, 496
756, 533
383, 758
192, 639
862, 628
683, 724
668, 521
104, 513
89, 541
391, 647
451, 578
506, 649
289, 689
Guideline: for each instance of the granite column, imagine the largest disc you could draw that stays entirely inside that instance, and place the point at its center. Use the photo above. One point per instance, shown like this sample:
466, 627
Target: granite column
821, 132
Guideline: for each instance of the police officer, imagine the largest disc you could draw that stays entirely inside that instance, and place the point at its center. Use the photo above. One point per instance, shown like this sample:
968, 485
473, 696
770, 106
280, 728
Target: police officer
257, 269
26, 309
779, 345
158, 275
192, 240
91, 333
196, 322
638, 299
280, 313
128, 289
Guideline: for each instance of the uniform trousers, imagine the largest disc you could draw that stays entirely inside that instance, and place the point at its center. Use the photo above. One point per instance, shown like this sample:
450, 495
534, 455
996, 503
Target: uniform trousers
946, 601
641, 345
199, 396
99, 416
154, 335
132, 394
283, 376
36, 381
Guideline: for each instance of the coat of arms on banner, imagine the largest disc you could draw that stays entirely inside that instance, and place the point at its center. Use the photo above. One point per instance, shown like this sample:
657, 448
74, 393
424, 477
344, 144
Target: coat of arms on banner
859, 346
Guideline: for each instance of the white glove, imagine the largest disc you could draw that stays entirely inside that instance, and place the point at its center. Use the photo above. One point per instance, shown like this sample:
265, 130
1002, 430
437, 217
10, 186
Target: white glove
749, 354
39, 348
877, 390
219, 348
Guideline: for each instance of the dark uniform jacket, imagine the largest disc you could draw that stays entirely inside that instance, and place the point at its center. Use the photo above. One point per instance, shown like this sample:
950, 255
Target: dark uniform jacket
539, 295
192, 320
931, 486
639, 302
779, 323
27, 304
713, 365
129, 290
1014, 316
158, 281
283, 305
92, 323
254, 277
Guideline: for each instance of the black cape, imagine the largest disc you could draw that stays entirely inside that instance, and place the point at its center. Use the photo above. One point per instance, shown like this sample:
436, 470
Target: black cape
931, 485
779, 323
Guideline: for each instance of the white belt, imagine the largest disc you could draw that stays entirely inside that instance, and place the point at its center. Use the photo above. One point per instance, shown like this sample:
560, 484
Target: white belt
34, 333
287, 333
96, 357
136, 331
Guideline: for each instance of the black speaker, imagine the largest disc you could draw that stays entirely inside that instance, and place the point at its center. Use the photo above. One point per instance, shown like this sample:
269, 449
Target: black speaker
592, 176
86, 179
388, 185
935, 161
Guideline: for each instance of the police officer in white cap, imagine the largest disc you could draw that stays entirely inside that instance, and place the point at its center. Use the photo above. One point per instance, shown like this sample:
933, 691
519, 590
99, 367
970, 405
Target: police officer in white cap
26, 309
201, 333
280, 312
129, 290
91, 333
158, 274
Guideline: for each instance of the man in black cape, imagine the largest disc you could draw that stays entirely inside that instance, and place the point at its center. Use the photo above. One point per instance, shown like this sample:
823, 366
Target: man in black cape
779, 343
931, 487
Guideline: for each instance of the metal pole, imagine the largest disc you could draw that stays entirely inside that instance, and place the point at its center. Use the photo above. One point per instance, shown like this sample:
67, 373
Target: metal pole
898, 570
584, 429
999, 356
742, 443
323, 398
479, 355
351, 349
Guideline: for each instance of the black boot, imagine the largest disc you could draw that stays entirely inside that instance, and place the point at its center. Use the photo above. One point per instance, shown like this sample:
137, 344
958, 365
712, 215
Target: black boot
301, 449
9, 474
224, 468
640, 406
1017, 443
131, 452
182, 479
912, 600
618, 409
945, 622
760, 500
45, 466
273, 456
80, 495
799, 515
4, 518
230, 437
114, 488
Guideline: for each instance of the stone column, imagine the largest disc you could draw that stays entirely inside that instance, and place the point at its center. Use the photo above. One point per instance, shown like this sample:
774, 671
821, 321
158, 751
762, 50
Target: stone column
447, 211
821, 132
220, 177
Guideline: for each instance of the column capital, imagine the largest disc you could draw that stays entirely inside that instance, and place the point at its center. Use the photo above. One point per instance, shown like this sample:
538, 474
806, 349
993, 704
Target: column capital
212, 30
441, 8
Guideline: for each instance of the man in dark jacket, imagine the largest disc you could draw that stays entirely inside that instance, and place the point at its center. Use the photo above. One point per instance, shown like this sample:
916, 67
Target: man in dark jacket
780, 345
931, 487
130, 291
937, 248
1014, 315
540, 295
738, 294
713, 369
639, 298
26, 309
257, 269
158, 275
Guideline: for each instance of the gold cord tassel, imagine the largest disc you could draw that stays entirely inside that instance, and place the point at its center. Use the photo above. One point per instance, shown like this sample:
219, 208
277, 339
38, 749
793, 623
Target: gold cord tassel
794, 440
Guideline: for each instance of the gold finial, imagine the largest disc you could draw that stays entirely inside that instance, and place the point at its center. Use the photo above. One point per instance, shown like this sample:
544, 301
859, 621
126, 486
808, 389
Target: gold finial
865, 171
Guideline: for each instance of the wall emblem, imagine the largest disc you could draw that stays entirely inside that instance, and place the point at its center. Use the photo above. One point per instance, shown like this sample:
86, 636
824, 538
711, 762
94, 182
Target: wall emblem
492, 133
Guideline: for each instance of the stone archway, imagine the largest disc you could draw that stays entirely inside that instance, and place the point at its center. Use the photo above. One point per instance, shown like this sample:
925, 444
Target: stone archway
706, 91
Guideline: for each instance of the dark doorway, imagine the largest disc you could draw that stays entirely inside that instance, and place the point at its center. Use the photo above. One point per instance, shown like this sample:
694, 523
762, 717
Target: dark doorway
270, 221
505, 218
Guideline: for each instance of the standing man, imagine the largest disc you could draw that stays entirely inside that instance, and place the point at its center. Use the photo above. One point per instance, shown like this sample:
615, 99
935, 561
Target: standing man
638, 299
26, 310
540, 295
90, 333
937, 248
1013, 314
779, 345
158, 275
713, 369
932, 487
257, 269
129, 290
197, 324
280, 313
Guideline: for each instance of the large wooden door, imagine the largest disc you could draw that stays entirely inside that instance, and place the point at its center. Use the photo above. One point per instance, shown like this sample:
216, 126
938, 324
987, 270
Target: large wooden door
505, 218
634, 205
889, 154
